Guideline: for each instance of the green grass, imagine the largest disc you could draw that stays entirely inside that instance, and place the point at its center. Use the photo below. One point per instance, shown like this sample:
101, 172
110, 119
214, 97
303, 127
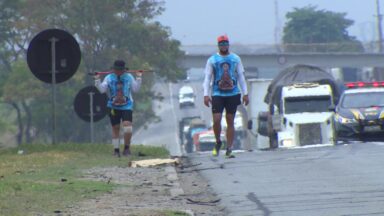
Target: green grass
175, 213
47, 178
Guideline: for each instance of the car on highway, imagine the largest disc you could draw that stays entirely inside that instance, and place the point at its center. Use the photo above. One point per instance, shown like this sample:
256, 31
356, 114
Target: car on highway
205, 140
186, 97
195, 126
360, 111
184, 125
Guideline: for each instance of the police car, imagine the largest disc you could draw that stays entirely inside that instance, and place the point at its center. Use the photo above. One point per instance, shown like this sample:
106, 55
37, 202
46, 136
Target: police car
360, 111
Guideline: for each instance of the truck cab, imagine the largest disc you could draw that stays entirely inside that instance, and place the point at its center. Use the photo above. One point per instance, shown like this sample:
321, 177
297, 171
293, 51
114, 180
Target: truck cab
305, 115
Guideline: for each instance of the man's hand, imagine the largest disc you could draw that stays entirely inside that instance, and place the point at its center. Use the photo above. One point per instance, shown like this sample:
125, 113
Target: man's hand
207, 100
96, 77
139, 74
245, 100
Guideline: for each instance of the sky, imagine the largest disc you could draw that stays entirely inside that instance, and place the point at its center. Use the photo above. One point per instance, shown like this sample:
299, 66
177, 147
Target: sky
199, 22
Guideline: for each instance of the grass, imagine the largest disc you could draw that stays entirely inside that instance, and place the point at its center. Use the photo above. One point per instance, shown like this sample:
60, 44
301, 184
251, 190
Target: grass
47, 178
175, 213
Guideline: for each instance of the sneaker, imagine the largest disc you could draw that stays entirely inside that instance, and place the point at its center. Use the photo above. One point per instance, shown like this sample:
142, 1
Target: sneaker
229, 154
216, 149
116, 153
126, 151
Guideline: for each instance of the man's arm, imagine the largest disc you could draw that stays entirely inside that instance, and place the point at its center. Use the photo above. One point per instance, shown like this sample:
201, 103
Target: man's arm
101, 86
207, 82
242, 82
207, 78
136, 83
241, 78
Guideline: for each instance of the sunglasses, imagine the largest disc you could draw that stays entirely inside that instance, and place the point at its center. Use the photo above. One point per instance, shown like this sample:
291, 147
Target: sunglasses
224, 43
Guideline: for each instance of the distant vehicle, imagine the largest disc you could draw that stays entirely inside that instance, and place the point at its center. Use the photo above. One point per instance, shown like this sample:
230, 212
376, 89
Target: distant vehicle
360, 111
186, 97
205, 140
195, 126
184, 125
187, 79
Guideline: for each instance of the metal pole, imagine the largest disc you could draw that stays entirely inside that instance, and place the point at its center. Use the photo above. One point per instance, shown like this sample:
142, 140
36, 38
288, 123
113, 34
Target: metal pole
53, 41
377, 71
91, 112
277, 27
379, 28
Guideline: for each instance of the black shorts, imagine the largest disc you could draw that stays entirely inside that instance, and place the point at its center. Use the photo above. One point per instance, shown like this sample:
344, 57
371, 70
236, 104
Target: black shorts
230, 103
117, 116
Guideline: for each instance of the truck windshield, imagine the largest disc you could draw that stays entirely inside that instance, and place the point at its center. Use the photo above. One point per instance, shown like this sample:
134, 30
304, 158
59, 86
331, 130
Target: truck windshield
366, 99
307, 104
187, 95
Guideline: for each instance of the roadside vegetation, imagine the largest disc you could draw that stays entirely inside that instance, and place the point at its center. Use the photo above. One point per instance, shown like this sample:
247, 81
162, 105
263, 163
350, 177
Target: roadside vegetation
44, 179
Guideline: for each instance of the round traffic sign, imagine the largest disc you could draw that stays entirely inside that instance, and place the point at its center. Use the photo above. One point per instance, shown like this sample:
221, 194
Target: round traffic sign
82, 104
67, 55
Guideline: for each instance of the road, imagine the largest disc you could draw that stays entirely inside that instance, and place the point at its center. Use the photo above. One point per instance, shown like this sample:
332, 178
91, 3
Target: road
332, 180
165, 133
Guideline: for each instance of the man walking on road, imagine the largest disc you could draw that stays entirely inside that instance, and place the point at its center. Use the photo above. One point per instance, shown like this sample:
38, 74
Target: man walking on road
119, 83
226, 71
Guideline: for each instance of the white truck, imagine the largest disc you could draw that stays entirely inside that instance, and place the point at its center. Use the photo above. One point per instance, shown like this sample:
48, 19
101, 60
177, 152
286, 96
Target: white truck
257, 88
306, 116
186, 97
301, 102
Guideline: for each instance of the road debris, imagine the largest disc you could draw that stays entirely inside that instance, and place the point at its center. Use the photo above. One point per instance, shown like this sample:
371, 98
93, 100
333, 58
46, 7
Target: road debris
154, 162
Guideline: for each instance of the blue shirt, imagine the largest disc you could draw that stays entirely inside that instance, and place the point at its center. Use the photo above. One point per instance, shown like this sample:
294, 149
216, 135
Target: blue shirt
229, 63
120, 97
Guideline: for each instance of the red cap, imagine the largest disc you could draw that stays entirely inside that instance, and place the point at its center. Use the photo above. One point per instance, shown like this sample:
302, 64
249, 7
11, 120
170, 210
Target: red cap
222, 38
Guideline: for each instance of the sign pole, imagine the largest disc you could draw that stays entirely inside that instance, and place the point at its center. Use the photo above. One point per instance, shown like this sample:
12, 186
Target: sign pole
53, 41
91, 112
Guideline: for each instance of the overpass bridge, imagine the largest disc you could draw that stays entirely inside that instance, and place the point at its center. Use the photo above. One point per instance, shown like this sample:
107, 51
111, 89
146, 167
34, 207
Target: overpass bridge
263, 61
267, 56
279, 60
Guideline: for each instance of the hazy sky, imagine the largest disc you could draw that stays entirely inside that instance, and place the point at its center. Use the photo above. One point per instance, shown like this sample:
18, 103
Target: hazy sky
254, 21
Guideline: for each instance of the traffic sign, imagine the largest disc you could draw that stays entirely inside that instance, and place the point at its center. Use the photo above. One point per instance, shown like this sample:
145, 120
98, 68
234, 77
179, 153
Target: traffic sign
66, 52
83, 100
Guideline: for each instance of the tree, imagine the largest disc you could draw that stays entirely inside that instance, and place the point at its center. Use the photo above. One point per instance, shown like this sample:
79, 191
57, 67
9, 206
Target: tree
19, 89
312, 30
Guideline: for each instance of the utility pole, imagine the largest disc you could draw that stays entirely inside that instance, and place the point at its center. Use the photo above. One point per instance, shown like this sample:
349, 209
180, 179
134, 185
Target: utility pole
378, 72
277, 27
379, 28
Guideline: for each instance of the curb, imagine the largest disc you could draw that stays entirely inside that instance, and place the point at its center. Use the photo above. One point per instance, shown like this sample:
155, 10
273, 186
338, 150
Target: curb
176, 190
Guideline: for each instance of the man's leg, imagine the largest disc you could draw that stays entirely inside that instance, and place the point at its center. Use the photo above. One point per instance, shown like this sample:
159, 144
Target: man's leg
127, 128
115, 139
231, 104
230, 129
217, 110
217, 125
115, 123
217, 131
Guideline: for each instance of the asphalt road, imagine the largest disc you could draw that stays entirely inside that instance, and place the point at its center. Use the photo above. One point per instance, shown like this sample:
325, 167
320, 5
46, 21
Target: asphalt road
332, 180
165, 133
